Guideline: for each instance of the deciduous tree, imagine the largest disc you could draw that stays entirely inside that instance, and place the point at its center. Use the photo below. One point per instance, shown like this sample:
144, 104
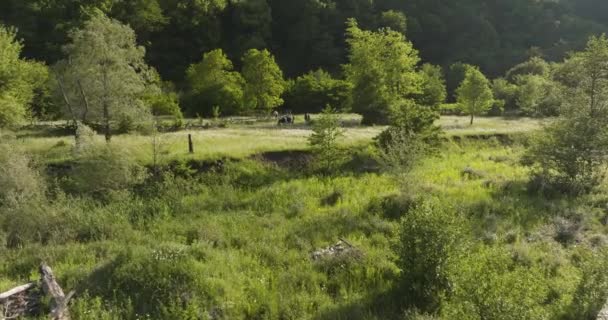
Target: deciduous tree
474, 94
104, 77
213, 82
569, 154
18, 79
264, 78
382, 69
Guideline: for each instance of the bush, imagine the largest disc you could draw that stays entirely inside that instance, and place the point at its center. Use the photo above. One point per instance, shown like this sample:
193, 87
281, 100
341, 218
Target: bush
399, 150
592, 289
20, 181
488, 284
324, 140
156, 281
64, 220
102, 170
429, 240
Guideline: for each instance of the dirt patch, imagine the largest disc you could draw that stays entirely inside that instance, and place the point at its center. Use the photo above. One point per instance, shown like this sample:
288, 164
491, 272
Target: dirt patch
286, 159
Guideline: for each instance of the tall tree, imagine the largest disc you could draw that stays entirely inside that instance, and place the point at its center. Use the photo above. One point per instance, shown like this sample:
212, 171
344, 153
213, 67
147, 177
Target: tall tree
18, 79
104, 77
382, 70
265, 83
569, 154
474, 94
213, 83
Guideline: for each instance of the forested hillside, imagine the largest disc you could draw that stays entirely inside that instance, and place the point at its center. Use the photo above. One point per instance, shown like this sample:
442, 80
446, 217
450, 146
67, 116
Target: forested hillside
308, 34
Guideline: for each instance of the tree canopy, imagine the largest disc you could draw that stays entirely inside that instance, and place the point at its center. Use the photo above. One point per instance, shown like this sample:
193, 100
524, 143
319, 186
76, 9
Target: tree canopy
104, 77
18, 79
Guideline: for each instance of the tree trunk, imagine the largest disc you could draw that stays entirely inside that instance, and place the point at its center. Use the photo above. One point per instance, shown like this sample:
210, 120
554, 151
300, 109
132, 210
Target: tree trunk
472, 116
106, 119
106, 106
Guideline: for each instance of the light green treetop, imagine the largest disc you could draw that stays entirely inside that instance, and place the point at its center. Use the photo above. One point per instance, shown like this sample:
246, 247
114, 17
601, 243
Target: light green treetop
215, 82
265, 83
474, 94
382, 69
18, 79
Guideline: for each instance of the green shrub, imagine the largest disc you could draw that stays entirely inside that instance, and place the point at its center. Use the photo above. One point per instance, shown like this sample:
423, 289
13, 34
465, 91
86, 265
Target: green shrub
488, 284
102, 170
156, 281
429, 240
592, 290
20, 181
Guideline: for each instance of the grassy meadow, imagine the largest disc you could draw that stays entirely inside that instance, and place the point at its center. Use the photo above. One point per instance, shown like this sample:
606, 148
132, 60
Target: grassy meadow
236, 242
243, 137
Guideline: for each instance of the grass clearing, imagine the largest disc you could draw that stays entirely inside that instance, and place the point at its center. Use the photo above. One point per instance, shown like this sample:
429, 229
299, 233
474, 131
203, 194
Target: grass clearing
242, 140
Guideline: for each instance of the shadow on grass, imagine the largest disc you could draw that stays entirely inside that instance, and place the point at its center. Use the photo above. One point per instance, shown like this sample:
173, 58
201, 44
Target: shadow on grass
383, 305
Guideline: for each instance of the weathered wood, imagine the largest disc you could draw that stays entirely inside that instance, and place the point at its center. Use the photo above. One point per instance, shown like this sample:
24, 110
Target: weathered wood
17, 290
190, 144
59, 301
604, 313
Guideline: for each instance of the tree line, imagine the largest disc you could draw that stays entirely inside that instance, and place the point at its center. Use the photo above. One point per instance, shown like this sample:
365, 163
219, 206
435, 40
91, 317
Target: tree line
101, 63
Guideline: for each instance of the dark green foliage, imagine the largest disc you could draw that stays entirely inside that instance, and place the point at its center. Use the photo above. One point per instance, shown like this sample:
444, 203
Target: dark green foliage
306, 35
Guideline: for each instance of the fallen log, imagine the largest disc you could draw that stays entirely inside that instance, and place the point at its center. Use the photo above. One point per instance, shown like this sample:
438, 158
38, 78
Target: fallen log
27, 300
5, 295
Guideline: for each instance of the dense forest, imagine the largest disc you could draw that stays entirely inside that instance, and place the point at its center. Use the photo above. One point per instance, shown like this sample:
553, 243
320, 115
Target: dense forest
309, 34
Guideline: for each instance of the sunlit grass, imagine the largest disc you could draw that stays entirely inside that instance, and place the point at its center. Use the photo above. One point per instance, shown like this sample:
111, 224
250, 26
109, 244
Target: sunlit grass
242, 140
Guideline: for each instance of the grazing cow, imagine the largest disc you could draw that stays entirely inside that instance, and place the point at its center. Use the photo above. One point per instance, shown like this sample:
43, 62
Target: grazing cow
275, 114
286, 119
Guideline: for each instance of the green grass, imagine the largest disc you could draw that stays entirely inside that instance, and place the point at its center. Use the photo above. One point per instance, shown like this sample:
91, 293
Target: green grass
242, 140
239, 242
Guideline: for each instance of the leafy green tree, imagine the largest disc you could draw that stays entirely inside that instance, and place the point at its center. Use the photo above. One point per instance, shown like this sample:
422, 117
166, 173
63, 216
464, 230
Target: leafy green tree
505, 95
264, 81
382, 69
569, 153
474, 94
433, 86
105, 78
314, 90
214, 83
19, 80
538, 96
324, 139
